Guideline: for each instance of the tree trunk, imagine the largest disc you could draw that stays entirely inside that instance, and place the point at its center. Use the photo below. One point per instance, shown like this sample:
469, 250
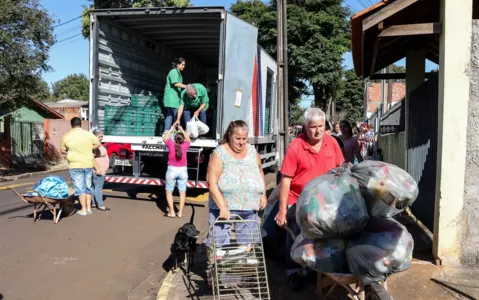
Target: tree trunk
318, 96
328, 105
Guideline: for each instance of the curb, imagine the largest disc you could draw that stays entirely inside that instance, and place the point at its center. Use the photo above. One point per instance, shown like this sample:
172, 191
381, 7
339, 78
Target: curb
31, 174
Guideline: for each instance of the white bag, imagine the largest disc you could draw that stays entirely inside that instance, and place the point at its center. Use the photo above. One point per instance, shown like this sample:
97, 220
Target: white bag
192, 128
202, 127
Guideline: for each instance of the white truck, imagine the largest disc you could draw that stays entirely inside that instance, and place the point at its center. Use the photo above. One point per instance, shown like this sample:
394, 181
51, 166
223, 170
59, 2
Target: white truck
131, 52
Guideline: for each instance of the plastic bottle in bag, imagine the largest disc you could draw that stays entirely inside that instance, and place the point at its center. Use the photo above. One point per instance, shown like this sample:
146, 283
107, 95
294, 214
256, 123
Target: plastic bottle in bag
385, 247
331, 206
387, 189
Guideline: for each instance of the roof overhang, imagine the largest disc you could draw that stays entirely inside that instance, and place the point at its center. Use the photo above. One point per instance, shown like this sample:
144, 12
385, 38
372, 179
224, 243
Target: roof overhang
383, 33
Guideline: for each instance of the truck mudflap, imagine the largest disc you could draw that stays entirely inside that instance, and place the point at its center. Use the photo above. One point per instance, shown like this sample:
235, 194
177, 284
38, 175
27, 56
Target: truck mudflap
152, 181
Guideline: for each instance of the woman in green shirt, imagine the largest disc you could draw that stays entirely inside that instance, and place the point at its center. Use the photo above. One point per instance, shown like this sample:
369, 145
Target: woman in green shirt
174, 84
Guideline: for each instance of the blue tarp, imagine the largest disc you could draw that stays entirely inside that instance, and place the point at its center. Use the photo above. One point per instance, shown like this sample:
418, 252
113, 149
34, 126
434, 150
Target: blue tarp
53, 187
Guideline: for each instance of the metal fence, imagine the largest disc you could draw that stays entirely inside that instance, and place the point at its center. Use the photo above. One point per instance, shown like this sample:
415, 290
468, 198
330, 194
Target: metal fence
422, 147
27, 143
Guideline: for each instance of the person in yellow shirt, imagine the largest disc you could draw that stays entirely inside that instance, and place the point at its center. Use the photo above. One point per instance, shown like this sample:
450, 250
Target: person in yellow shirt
78, 144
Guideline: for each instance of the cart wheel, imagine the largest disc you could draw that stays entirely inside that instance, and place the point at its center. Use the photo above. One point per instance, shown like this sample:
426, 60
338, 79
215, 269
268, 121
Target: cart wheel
377, 292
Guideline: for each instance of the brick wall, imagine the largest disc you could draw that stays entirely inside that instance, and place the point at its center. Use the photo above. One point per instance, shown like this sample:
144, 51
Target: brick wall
374, 94
54, 131
69, 112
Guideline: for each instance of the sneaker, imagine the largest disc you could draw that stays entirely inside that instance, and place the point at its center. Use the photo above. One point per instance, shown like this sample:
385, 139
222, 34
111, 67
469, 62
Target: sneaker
81, 213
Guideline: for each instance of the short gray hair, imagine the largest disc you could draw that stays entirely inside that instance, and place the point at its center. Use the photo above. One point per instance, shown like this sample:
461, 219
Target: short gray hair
314, 114
97, 131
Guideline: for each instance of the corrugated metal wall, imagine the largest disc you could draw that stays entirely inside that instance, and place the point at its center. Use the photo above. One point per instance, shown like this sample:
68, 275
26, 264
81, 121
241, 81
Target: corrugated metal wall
27, 142
130, 64
422, 147
394, 148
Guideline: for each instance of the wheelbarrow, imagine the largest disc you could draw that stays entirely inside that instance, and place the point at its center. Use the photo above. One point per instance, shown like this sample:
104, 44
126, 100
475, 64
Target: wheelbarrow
66, 205
355, 288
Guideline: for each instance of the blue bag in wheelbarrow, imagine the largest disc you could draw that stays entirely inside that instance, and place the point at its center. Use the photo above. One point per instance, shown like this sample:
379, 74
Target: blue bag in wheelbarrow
53, 187
331, 206
385, 247
387, 189
326, 256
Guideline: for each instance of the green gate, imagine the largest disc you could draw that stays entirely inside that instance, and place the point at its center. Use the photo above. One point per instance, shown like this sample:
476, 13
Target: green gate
27, 143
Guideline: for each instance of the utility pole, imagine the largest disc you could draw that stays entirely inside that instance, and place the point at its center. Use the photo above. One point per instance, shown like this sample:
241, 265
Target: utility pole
282, 59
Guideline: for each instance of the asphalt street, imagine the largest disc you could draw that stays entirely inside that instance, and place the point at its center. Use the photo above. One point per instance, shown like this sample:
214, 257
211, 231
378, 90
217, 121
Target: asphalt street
106, 255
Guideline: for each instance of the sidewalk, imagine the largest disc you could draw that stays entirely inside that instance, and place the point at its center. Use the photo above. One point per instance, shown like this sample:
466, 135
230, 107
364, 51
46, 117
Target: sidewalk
414, 283
11, 174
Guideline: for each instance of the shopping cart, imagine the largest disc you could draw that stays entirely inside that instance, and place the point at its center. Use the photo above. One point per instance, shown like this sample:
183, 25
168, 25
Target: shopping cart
238, 268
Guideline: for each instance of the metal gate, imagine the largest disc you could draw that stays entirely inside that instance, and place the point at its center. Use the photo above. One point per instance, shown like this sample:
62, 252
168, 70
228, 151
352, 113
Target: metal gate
422, 147
27, 143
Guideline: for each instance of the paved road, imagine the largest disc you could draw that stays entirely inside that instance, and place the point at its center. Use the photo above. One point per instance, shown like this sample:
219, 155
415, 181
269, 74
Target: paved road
113, 255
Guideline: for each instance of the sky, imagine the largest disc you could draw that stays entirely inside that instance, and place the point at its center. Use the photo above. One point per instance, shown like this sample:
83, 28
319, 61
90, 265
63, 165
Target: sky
71, 52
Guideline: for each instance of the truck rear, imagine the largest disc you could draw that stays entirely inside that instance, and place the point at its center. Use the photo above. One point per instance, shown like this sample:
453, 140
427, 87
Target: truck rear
130, 55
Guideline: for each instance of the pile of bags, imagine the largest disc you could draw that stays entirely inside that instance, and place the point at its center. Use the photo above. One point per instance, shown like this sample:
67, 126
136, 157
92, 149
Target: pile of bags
346, 221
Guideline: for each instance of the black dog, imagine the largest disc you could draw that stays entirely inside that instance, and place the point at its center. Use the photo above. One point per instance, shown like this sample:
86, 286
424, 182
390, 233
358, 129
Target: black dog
184, 245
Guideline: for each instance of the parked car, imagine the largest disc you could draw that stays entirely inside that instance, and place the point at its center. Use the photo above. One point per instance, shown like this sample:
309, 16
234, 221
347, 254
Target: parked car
120, 155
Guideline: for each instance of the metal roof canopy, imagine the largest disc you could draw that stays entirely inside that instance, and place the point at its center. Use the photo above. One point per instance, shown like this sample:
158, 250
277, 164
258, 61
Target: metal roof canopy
189, 31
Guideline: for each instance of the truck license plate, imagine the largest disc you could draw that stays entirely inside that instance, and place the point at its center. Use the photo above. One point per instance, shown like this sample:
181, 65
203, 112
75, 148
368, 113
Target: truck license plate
123, 162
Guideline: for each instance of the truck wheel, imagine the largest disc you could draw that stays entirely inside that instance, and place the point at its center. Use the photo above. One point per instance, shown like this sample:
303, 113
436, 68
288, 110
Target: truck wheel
112, 160
376, 292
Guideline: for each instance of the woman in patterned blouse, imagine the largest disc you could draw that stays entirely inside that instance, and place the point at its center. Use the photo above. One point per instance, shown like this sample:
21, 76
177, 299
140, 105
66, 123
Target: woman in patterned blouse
237, 186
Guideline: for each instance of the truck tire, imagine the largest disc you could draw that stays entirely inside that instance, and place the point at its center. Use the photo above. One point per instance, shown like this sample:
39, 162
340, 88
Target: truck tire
377, 292
116, 169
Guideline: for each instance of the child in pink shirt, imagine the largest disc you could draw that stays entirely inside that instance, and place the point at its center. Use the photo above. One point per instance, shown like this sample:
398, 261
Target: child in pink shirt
177, 173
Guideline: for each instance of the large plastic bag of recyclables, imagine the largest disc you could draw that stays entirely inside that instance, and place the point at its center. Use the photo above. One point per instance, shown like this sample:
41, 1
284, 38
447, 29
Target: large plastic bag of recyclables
327, 256
385, 247
331, 206
387, 189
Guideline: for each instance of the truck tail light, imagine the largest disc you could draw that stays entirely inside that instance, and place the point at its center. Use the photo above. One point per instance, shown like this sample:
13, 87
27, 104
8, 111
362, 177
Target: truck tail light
201, 158
123, 153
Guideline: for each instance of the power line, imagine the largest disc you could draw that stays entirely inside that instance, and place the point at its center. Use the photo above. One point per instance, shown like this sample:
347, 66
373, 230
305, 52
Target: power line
68, 38
69, 30
59, 46
69, 21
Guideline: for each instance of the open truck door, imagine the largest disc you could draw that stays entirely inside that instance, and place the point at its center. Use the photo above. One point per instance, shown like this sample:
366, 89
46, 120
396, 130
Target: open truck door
240, 49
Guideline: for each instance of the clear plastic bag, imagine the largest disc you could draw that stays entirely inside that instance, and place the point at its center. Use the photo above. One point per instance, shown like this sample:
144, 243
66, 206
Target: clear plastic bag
387, 189
327, 256
385, 247
331, 206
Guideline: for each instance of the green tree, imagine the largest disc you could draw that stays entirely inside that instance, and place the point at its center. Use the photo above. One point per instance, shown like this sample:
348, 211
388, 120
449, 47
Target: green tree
74, 86
25, 39
350, 97
43, 94
102, 4
318, 36
296, 114
263, 16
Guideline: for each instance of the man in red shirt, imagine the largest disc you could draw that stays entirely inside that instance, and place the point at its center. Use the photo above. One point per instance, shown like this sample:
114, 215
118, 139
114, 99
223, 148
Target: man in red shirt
310, 155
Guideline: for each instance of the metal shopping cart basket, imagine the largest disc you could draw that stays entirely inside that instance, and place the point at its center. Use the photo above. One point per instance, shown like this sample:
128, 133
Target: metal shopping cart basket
237, 265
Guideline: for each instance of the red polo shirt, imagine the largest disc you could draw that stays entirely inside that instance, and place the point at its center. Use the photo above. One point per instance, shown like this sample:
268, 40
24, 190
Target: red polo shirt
303, 163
